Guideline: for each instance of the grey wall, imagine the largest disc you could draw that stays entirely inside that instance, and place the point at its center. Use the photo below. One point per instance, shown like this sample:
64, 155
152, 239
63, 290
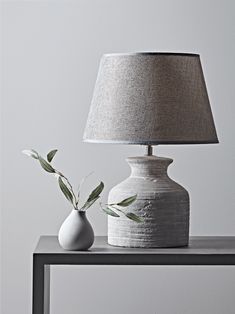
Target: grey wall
51, 51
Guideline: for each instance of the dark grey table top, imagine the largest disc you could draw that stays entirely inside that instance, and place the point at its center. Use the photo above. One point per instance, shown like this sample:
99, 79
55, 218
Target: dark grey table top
202, 250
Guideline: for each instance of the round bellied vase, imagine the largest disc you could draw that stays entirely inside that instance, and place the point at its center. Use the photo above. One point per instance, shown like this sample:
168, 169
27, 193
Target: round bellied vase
76, 232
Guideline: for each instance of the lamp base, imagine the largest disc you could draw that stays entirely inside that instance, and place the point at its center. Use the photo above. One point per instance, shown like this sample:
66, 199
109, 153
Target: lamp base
163, 203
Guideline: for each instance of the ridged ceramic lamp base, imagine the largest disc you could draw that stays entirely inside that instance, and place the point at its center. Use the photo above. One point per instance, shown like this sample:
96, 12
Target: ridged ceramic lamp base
162, 203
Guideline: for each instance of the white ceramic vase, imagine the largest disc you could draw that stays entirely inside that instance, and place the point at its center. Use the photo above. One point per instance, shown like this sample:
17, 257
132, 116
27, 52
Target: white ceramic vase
76, 232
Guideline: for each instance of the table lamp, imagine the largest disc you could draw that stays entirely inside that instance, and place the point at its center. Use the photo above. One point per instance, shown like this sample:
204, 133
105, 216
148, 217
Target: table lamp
150, 98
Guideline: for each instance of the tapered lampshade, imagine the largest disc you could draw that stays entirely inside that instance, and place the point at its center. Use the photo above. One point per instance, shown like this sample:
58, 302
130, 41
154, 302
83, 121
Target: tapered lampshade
150, 98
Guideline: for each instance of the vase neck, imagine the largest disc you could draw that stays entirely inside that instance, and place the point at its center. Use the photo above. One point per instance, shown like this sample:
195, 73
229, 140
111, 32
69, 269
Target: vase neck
78, 212
148, 166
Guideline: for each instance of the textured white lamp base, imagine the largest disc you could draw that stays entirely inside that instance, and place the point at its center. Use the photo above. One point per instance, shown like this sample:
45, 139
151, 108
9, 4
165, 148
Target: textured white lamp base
163, 203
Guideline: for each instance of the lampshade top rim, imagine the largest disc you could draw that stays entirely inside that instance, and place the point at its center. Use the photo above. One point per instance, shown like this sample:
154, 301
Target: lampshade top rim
152, 53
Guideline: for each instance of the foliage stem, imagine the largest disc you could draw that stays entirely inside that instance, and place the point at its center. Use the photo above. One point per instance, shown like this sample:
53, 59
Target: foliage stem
71, 188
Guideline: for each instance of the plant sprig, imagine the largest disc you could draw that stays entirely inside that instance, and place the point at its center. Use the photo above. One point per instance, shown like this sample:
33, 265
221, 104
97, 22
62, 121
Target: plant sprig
64, 184
111, 209
67, 189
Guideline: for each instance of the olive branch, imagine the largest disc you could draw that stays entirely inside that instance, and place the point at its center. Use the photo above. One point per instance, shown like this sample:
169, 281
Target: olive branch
68, 191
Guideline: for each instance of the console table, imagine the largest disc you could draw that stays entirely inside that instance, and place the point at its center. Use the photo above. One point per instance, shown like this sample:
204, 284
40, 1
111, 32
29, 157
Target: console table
201, 251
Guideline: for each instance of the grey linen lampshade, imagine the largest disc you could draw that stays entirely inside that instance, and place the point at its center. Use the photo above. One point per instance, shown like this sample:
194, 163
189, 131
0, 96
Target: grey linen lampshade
150, 98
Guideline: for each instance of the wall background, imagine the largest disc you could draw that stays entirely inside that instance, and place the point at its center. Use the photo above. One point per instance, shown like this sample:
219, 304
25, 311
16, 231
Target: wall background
50, 57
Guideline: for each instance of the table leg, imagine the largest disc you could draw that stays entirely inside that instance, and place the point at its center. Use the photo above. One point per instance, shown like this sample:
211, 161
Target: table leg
41, 287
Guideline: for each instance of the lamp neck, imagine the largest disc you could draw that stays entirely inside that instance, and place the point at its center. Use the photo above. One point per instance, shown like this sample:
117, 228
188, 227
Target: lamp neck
149, 166
149, 150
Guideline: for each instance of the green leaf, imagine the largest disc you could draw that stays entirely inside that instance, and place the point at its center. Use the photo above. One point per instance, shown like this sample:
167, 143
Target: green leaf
127, 201
51, 155
96, 192
45, 165
110, 212
89, 204
65, 190
30, 152
134, 217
